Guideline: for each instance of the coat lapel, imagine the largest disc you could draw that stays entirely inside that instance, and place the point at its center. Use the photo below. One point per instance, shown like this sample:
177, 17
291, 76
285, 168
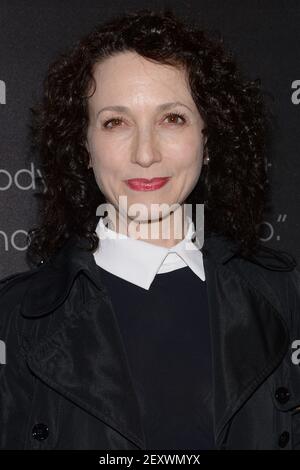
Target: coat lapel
249, 335
85, 359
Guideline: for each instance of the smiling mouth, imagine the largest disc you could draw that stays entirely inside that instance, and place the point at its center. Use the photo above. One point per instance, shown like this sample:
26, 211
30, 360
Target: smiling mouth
143, 184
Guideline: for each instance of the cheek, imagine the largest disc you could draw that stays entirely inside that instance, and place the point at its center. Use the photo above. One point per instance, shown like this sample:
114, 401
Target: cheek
189, 146
108, 156
107, 171
188, 157
104, 160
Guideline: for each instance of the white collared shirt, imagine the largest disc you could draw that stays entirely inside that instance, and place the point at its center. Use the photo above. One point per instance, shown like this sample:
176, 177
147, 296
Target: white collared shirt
139, 261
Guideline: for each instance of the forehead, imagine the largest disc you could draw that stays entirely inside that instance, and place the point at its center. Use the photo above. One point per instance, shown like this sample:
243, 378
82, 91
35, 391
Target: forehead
129, 75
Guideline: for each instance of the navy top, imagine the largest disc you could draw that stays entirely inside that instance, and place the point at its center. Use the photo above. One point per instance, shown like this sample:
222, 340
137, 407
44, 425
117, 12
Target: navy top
166, 335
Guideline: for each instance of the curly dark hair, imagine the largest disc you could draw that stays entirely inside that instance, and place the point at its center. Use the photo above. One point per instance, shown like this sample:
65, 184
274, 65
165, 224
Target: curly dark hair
233, 186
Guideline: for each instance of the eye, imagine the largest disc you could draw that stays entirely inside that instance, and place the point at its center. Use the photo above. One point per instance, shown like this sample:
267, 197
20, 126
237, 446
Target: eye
118, 118
177, 115
170, 115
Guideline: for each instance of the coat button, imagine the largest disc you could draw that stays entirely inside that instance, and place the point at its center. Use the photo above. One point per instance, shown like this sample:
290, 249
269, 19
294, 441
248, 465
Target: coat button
40, 431
283, 439
282, 395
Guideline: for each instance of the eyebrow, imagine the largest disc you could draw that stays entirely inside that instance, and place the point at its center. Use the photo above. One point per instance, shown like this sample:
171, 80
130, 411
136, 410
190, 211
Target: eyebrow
161, 107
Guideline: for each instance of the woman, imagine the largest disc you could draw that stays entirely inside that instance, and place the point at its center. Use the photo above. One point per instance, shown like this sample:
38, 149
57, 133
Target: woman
126, 335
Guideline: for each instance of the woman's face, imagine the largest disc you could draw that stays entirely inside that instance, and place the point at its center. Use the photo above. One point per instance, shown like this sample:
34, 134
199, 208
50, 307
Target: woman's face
144, 139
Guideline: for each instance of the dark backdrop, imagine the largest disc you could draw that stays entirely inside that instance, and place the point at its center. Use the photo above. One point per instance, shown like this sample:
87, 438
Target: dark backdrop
263, 35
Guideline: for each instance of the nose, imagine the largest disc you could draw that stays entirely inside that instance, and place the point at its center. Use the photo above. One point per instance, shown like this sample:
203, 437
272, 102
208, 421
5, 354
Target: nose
146, 151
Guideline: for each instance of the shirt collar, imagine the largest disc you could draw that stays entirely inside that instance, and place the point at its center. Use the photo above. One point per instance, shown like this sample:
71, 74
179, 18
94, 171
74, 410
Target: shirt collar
138, 261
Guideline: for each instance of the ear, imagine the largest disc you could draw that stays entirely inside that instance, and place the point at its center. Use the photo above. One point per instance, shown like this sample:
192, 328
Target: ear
205, 157
205, 154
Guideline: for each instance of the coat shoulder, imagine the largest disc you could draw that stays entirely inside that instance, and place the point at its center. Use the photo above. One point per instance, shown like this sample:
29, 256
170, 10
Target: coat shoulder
273, 264
275, 274
12, 289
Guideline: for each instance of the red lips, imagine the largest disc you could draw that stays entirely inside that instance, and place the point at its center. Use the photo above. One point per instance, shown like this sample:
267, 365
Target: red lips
143, 184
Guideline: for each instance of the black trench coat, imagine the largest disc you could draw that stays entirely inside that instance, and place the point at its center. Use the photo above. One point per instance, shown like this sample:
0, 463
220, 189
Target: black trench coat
66, 383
